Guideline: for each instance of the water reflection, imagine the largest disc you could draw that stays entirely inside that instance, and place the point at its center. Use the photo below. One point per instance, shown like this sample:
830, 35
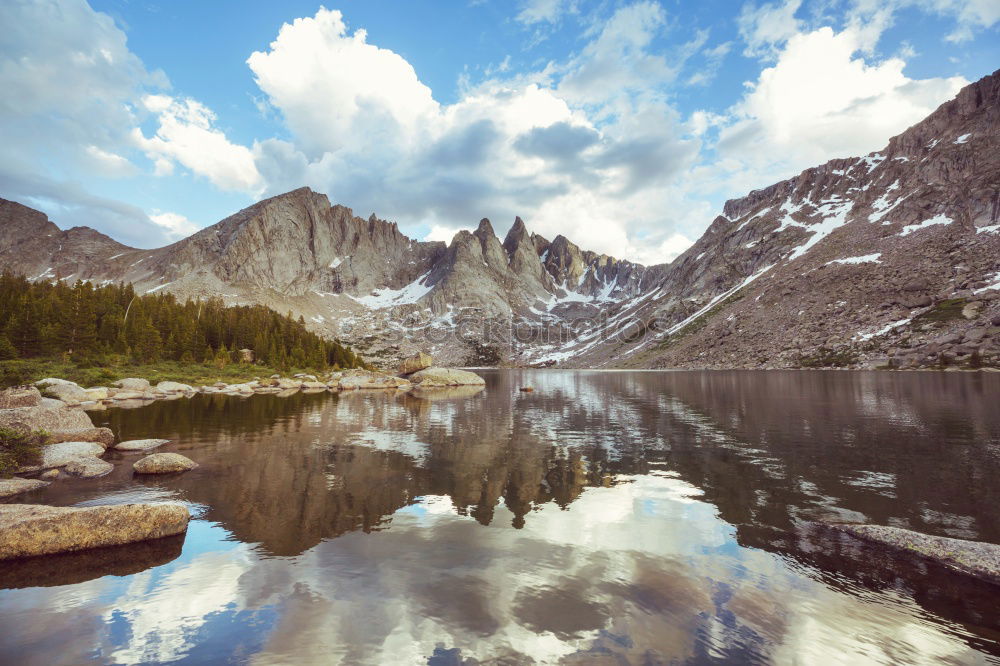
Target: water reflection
642, 517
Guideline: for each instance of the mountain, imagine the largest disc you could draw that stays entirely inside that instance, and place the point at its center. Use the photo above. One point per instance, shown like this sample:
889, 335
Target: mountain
888, 259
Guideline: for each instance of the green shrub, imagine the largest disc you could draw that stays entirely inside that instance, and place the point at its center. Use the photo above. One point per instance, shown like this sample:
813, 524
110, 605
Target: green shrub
19, 448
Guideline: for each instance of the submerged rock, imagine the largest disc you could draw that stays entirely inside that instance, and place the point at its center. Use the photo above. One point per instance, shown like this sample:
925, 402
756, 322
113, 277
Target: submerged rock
429, 377
11, 487
141, 444
27, 530
976, 558
164, 463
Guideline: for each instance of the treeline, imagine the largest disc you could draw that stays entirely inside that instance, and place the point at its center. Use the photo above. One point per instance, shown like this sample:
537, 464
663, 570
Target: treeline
85, 324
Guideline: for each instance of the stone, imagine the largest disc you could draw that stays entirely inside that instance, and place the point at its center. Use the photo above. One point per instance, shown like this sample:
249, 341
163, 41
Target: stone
50, 474
28, 530
174, 387
975, 334
418, 361
11, 487
89, 467
286, 383
313, 385
163, 463
971, 310
71, 394
63, 453
102, 436
446, 377
976, 558
140, 444
54, 381
128, 394
20, 396
133, 384
97, 393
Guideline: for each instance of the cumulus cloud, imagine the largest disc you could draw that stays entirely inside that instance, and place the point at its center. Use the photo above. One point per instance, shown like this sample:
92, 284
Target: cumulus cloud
766, 26
176, 225
187, 134
547, 11
822, 99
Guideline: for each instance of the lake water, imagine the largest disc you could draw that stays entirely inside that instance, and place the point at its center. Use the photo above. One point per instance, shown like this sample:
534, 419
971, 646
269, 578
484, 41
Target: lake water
604, 518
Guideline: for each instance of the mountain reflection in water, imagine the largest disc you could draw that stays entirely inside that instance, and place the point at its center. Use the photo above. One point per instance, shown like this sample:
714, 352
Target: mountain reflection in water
645, 517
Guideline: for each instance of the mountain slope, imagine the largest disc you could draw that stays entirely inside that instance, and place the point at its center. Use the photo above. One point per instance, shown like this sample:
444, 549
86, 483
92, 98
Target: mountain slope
891, 258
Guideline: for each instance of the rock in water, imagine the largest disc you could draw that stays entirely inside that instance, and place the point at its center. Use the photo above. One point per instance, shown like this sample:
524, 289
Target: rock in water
418, 361
71, 394
174, 387
20, 396
27, 530
89, 467
11, 487
163, 463
446, 377
102, 436
141, 444
976, 558
63, 453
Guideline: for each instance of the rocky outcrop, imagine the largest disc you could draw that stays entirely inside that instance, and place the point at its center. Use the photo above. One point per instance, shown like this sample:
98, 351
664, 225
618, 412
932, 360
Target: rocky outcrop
28, 530
163, 463
50, 415
11, 487
431, 377
138, 445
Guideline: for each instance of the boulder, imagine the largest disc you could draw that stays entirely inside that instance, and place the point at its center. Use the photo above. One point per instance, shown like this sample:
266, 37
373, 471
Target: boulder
50, 475
309, 384
285, 383
63, 453
173, 387
140, 444
11, 487
976, 334
128, 394
71, 394
27, 530
20, 396
446, 377
50, 415
976, 558
163, 463
418, 361
133, 384
102, 436
54, 381
97, 393
88, 467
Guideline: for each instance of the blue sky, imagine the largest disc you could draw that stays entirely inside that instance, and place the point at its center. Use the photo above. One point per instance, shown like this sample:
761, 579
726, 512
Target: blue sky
622, 125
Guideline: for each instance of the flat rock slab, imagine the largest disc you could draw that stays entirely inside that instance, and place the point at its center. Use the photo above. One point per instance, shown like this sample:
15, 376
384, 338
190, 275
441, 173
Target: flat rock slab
102, 436
11, 487
975, 558
27, 530
446, 377
63, 453
20, 396
141, 444
163, 463
89, 468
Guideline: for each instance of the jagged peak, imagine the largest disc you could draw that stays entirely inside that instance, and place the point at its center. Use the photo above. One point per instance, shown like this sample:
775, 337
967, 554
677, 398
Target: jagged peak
517, 235
485, 229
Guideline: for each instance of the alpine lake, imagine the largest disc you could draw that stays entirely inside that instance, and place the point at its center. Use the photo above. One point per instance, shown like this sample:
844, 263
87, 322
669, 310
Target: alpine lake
602, 518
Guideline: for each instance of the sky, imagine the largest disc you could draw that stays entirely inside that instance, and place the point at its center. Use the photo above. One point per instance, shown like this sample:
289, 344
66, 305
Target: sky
623, 125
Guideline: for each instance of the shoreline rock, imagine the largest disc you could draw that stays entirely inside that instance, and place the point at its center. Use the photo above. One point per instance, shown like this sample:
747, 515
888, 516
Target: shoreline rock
29, 530
16, 486
434, 376
974, 558
140, 445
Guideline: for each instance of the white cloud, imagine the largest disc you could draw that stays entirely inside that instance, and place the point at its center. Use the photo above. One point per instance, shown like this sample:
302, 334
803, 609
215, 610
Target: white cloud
187, 135
765, 27
177, 225
820, 100
547, 11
